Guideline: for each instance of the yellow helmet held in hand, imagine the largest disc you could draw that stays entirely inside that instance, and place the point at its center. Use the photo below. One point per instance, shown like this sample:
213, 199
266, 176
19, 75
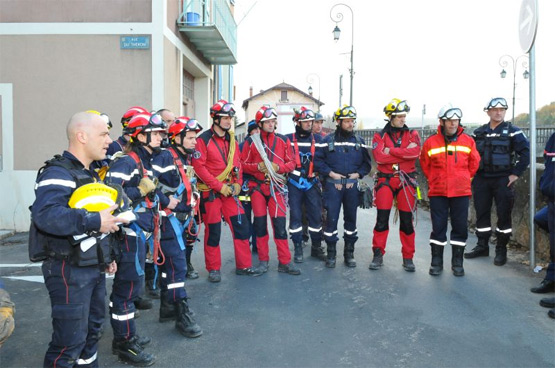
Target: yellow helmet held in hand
94, 197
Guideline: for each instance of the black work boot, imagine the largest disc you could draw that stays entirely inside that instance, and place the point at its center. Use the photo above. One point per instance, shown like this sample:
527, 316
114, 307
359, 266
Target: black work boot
377, 261
129, 351
457, 260
185, 323
191, 272
408, 265
289, 269
317, 251
332, 252
349, 255
151, 289
168, 310
298, 257
437, 260
480, 250
143, 303
501, 249
141, 340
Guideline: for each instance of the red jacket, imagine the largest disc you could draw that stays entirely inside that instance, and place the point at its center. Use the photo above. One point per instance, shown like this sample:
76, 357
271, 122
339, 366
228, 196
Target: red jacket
210, 159
399, 157
449, 165
278, 149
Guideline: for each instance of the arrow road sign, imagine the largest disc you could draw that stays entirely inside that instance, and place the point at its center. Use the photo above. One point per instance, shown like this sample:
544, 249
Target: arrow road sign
527, 24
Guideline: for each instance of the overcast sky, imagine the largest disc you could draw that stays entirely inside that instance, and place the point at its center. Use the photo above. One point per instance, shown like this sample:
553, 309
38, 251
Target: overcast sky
424, 51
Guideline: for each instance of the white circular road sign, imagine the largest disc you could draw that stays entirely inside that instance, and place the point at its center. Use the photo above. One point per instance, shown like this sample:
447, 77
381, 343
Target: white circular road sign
527, 24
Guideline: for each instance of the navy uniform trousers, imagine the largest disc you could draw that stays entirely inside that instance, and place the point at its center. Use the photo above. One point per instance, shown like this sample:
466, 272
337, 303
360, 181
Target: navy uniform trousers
75, 292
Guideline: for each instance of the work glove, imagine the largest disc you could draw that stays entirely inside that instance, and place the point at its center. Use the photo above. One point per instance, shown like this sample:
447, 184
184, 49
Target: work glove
236, 189
146, 186
275, 167
7, 310
262, 167
226, 190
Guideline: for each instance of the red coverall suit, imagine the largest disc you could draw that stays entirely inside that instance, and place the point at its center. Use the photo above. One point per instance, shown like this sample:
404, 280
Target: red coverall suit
263, 200
396, 171
209, 160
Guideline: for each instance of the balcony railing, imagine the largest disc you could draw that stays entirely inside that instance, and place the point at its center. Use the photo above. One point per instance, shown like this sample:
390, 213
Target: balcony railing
210, 26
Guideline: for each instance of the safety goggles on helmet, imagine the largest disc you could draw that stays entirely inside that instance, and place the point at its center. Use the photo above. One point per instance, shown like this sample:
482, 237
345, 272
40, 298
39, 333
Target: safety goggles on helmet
156, 123
266, 114
306, 115
193, 124
498, 102
347, 112
222, 108
452, 114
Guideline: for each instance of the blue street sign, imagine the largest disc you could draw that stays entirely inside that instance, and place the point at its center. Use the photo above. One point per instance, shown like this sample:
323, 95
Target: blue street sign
134, 42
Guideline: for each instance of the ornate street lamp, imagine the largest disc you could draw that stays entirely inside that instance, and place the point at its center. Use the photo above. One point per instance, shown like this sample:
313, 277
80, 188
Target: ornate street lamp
506, 61
337, 18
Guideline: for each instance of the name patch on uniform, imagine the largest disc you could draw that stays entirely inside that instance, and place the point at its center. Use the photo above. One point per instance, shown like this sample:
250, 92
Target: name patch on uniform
196, 154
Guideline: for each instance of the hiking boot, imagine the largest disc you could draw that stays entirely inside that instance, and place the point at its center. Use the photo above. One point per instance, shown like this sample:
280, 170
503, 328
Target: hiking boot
289, 268
168, 311
214, 276
457, 260
332, 252
377, 261
262, 266
191, 272
250, 271
408, 265
129, 351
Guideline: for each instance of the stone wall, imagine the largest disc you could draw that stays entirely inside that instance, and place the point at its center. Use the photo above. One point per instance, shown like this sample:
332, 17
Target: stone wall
520, 214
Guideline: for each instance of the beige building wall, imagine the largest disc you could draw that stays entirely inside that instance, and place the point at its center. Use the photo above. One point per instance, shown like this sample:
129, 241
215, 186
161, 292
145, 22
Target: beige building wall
76, 72
172, 77
52, 11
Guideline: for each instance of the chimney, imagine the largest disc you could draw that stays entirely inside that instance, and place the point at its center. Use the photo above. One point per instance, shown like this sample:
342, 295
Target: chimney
250, 91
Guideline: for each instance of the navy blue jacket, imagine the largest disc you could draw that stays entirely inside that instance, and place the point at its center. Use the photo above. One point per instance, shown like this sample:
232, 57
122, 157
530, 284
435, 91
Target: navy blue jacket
547, 181
127, 173
343, 156
51, 213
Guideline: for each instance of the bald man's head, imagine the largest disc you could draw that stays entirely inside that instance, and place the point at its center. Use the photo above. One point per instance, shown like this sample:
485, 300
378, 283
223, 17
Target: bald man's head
80, 122
88, 137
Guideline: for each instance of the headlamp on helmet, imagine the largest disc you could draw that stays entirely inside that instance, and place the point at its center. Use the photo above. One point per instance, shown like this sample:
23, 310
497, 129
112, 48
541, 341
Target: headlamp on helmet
497, 102
265, 113
448, 112
396, 107
222, 108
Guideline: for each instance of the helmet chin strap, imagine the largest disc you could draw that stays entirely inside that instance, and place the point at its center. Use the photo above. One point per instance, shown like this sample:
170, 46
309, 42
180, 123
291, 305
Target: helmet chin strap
217, 122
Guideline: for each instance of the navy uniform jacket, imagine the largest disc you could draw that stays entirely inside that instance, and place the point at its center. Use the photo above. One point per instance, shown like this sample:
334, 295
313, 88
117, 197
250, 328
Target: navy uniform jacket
51, 212
127, 173
304, 145
349, 155
547, 181
497, 161
164, 169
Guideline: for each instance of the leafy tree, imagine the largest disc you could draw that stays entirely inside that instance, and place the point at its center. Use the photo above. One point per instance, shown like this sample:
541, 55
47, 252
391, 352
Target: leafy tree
545, 117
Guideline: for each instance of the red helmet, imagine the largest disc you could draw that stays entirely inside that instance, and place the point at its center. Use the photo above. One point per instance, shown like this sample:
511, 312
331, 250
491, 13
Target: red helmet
144, 123
303, 114
183, 124
132, 111
222, 108
265, 113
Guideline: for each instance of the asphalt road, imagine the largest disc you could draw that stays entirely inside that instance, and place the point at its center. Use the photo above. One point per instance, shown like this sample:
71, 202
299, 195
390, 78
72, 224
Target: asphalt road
338, 317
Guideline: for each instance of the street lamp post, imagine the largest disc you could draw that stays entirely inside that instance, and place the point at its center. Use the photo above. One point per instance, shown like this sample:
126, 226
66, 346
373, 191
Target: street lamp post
310, 80
337, 18
506, 61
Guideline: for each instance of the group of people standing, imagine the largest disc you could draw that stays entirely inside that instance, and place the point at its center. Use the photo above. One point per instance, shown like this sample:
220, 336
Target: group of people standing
169, 178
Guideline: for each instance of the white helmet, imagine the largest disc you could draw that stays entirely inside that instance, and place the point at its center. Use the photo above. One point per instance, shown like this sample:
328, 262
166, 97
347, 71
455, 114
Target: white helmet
449, 112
